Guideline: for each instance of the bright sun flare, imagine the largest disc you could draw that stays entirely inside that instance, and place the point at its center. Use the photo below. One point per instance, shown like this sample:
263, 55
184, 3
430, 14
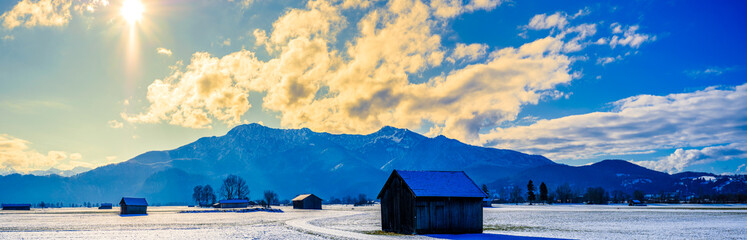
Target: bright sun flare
132, 10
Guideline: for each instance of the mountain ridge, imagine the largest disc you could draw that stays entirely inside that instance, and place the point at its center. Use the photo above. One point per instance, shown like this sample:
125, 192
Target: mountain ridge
294, 161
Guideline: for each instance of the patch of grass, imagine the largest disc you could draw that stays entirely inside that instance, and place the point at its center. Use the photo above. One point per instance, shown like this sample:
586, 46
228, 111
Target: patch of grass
379, 232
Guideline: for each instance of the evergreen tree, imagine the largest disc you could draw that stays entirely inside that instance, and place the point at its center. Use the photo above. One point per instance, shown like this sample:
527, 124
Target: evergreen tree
543, 192
530, 192
485, 189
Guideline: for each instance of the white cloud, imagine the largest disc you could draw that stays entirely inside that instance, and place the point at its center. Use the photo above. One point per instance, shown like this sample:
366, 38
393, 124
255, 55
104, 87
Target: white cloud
47, 13
739, 169
365, 84
639, 124
111, 159
16, 156
606, 60
581, 12
163, 51
560, 25
616, 28
8, 37
226, 42
471, 52
452, 8
29, 13
711, 71
630, 37
260, 37
680, 159
89, 6
543, 21
115, 124
75, 156
208, 86
243, 3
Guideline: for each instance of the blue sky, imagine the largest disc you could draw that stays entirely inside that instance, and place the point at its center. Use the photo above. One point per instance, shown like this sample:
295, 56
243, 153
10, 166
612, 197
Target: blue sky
661, 84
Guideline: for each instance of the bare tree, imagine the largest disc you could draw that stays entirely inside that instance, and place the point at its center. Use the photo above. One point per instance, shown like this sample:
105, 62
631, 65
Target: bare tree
197, 194
564, 193
234, 187
207, 194
270, 198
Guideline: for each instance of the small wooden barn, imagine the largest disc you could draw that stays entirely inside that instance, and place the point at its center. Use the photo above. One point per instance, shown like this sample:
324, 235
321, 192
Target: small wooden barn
307, 201
420, 202
130, 205
11, 206
105, 206
235, 203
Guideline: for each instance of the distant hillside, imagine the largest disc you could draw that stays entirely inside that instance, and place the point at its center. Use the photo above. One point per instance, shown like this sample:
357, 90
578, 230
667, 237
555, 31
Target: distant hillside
289, 162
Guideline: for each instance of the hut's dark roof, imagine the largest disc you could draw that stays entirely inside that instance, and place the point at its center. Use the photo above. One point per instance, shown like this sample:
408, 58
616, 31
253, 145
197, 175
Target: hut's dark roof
234, 201
440, 184
303, 196
16, 205
134, 201
106, 204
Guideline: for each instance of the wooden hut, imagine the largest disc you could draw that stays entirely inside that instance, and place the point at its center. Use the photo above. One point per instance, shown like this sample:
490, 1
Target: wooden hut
236, 203
307, 201
105, 206
130, 205
419, 202
11, 206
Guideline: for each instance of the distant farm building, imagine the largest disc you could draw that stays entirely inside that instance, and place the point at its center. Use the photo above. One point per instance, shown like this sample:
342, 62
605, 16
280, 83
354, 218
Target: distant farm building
23, 206
130, 205
419, 202
105, 206
636, 203
307, 201
236, 203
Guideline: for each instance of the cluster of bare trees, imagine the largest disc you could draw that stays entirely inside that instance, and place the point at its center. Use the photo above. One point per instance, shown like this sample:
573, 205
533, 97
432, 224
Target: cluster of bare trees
270, 199
234, 187
362, 199
203, 194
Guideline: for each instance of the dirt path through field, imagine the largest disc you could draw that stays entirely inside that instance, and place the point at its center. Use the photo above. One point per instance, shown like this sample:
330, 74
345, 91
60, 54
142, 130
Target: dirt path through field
305, 224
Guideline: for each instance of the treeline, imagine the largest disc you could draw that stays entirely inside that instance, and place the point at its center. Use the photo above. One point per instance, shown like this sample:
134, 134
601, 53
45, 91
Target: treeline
62, 205
359, 201
565, 193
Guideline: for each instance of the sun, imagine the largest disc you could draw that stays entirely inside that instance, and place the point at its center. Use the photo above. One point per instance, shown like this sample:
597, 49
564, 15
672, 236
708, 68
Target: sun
132, 11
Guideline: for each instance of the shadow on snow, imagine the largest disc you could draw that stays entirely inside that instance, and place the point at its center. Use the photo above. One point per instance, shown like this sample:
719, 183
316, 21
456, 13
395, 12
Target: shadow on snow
132, 215
487, 236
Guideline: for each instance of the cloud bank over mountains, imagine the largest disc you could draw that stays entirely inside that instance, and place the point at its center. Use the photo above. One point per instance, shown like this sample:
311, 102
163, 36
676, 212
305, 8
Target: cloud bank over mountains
317, 80
17, 156
643, 124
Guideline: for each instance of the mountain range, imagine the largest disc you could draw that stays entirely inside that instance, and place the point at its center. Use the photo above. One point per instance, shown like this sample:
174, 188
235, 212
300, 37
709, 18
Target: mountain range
297, 161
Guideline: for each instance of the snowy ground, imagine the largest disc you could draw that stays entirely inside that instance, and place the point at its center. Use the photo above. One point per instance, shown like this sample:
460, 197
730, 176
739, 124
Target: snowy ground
342, 222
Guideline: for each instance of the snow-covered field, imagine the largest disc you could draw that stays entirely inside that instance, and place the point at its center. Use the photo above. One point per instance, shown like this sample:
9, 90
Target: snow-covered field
501, 222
